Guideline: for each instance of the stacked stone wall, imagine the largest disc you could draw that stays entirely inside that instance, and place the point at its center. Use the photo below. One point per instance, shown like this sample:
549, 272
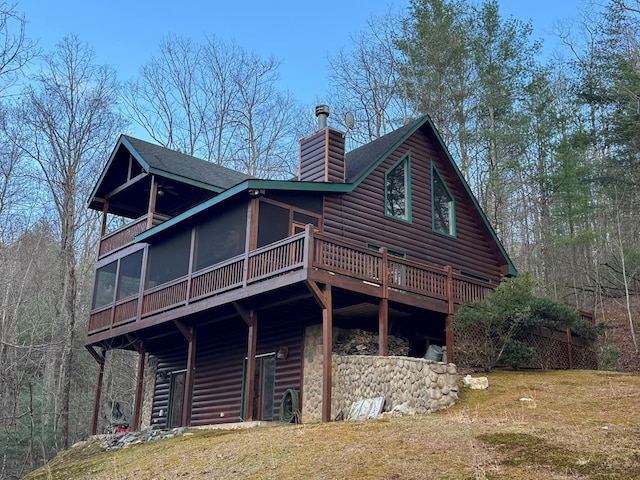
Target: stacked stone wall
420, 385
149, 386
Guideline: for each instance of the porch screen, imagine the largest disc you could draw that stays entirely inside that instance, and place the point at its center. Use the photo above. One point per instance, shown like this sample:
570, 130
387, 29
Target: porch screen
273, 224
221, 237
129, 275
168, 259
105, 285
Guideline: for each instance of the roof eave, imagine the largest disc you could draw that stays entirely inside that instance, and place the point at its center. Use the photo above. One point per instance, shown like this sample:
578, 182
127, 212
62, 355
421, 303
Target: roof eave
250, 184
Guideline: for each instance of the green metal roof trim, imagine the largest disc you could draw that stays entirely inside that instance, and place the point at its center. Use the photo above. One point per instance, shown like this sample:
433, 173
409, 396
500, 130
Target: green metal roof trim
380, 149
512, 268
242, 187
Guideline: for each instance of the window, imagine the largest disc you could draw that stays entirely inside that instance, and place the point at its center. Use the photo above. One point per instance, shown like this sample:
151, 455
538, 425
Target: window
442, 205
397, 190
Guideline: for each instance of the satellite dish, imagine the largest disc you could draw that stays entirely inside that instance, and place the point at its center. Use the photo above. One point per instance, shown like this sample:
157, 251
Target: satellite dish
349, 120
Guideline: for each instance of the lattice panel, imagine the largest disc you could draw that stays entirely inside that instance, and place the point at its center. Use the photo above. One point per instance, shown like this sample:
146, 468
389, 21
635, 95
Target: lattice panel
551, 353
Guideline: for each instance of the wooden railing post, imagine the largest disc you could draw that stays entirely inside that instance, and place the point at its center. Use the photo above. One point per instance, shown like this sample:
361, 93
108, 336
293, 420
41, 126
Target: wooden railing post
307, 259
245, 270
384, 272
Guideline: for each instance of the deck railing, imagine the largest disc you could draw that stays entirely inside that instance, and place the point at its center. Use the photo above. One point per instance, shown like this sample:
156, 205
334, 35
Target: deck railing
125, 235
468, 290
405, 275
122, 236
307, 249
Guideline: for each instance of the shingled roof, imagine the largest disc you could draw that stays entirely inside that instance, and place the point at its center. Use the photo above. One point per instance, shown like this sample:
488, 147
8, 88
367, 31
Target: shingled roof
360, 160
175, 163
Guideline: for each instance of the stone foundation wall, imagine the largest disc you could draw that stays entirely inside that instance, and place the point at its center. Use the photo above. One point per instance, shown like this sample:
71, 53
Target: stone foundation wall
148, 388
421, 385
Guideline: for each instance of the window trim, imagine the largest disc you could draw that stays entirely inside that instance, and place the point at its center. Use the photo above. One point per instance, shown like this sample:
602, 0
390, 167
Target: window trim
407, 182
452, 205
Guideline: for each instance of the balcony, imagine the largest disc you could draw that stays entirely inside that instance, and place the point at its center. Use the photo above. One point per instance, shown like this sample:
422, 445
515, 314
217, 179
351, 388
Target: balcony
125, 235
316, 256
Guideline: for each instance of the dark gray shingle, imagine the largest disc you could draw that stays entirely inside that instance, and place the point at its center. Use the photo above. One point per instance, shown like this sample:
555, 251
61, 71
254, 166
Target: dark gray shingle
182, 165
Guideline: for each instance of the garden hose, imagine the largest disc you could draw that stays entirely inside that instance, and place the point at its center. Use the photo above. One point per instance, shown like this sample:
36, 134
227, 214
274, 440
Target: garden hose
289, 407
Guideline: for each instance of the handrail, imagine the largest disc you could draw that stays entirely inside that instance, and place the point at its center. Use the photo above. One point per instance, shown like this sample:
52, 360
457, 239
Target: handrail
122, 237
322, 251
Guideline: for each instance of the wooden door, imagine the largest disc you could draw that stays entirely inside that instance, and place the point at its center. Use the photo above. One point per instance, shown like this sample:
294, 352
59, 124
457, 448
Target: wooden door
264, 387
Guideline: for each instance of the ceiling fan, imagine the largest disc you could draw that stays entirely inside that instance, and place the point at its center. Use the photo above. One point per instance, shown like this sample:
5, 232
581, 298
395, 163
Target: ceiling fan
164, 189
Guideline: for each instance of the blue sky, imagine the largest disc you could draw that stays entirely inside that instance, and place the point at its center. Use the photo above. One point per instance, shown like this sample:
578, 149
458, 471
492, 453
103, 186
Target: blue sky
300, 33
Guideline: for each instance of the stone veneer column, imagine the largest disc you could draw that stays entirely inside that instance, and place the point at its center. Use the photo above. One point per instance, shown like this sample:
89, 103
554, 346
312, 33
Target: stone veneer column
148, 391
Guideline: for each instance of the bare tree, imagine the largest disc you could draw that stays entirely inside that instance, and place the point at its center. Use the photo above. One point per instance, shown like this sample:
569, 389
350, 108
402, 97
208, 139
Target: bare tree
366, 80
217, 101
69, 125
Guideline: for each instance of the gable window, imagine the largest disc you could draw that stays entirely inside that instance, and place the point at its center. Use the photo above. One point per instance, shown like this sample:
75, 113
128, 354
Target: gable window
397, 190
442, 205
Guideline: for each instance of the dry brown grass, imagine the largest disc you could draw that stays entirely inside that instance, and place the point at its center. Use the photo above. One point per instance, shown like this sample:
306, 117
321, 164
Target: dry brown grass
580, 425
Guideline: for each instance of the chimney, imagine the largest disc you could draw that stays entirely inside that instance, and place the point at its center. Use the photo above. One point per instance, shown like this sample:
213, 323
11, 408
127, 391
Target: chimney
322, 153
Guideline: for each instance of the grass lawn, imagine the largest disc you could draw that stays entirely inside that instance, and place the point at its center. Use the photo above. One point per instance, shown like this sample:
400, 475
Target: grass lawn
574, 425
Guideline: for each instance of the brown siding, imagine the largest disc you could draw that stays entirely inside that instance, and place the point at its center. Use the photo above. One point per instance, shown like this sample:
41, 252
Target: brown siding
322, 157
312, 155
220, 353
335, 156
359, 216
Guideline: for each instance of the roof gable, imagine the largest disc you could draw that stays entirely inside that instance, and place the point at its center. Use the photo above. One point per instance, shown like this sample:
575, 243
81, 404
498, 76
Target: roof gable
166, 163
183, 167
359, 164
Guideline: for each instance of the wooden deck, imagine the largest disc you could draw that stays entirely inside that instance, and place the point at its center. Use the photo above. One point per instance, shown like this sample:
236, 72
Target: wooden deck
312, 254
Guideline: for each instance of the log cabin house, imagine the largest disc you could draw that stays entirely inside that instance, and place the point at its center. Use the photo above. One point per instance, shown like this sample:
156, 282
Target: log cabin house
217, 274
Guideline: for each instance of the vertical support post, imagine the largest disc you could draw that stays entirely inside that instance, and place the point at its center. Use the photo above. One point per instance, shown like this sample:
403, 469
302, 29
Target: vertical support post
327, 347
143, 281
105, 211
450, 312
383, 304
383, 327
153, 195
192, 260
569, 349
251, 238
249, 388
100, 358
189, 378
140, 383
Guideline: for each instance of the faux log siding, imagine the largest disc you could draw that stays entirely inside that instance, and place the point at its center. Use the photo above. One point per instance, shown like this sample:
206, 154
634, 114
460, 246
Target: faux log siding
335, 159
271, 336
312, 155
169, 360
322, 157
220, 353
359, 216
218, 381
